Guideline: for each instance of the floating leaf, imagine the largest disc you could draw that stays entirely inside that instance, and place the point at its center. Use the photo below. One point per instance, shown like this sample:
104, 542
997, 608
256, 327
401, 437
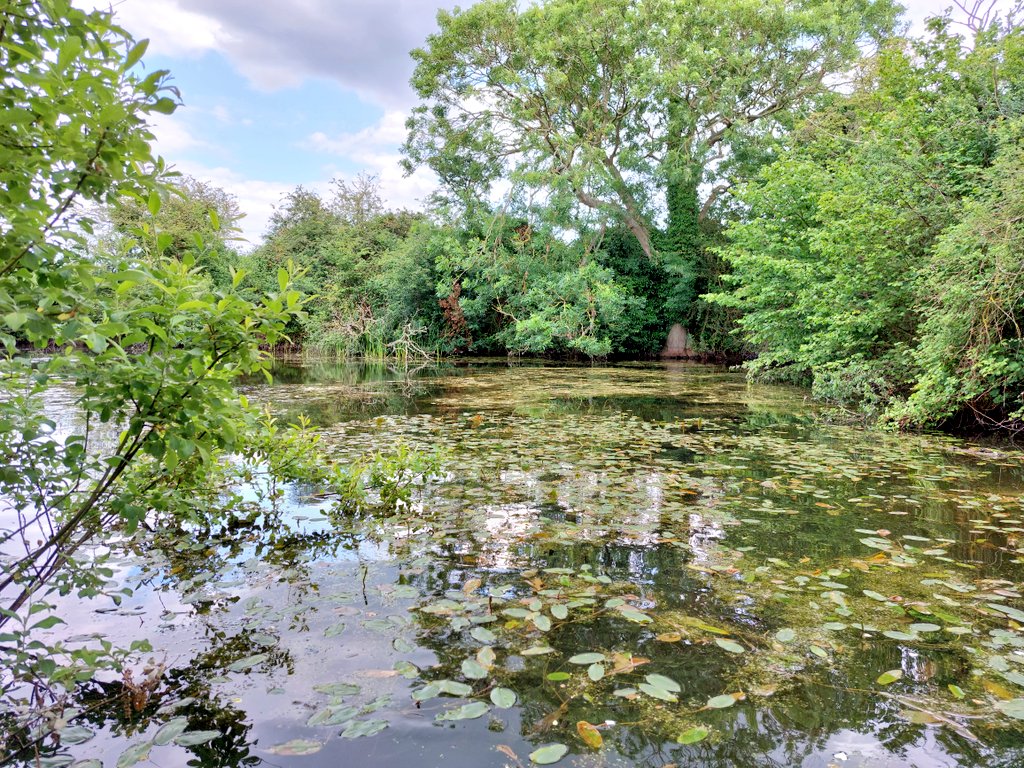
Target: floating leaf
924, 627
894, 634
332, 716
79, 734
656, 692
134, 754
360, 728
453, 688
721, 702
541, 622
247, 663
473, 669
693, 735
538, 650
483, 635
665, 683
876, 596
560, 612
486, 657
337, 689
503, 698
193, 738
1013, 613
595, 672
335, 629
168, 731
589, 734
918, 717
729, 645
587, 658
889, 677
470, 711
296, 748
635, 616
783, 636
957, 691
1014, 708
549, 754
558, 677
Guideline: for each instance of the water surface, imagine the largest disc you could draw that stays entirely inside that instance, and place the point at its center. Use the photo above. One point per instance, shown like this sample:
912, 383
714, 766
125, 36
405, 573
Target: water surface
593, 526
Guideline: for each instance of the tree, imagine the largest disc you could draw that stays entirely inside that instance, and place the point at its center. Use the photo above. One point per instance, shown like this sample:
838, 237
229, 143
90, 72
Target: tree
880, 255
357, 201
629, 107
148, 349
199, 217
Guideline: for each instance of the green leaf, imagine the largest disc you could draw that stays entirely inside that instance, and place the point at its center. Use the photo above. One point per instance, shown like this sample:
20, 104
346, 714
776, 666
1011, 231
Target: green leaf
721, 702
897, 635
192, 738
472, 669
134, 754
1013, 613
657, 693
729, 645
248, 662
135, 54
503, 698
666, 683
483, 635
584, 659
361, 728
549, 754
693, 735
1013, 708
595, 672
470, 711
785, 635
889, 677
170, 730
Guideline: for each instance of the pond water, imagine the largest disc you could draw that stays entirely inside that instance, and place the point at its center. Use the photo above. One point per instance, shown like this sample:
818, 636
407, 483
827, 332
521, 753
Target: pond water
635, 565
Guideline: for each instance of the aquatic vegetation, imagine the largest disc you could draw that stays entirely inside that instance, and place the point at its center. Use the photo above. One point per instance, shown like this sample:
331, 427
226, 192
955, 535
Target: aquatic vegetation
638, 564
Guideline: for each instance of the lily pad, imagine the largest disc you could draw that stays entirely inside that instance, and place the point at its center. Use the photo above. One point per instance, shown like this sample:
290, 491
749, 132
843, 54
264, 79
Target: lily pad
296, 747
693, 735
503, 698
470, 711
549, 754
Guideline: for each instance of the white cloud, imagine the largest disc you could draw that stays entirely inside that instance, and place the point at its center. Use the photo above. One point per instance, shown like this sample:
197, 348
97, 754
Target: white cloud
361, 44
170, 29
375, 150
256, 198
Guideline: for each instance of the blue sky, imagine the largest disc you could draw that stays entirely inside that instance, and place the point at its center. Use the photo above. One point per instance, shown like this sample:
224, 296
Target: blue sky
287, 92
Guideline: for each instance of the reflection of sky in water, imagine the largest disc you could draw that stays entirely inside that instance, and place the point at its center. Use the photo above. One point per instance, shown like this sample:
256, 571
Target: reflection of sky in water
567, 465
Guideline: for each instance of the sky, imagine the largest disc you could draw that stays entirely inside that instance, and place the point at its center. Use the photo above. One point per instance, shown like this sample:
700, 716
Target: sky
278, 93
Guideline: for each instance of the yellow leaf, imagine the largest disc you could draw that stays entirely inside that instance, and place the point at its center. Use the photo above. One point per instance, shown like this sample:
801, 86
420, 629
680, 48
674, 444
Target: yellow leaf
590, 735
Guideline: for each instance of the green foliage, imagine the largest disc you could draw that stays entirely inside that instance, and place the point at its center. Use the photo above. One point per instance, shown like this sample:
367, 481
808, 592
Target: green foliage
145, 346
877, 257
618, 111
197, 217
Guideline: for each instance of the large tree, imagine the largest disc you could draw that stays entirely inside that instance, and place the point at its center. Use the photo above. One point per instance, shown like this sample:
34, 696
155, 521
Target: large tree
633, 108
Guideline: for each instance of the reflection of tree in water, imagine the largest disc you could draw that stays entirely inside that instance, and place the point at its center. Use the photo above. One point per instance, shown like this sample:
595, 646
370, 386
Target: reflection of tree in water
106, 705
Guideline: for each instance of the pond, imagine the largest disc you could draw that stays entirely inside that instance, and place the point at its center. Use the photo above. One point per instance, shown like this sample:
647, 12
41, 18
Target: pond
631, 565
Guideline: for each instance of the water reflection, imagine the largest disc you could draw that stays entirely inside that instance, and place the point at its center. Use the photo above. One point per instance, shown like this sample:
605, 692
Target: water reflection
672, 483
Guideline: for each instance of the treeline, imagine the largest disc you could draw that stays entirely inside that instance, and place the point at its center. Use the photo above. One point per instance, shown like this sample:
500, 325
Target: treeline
836, 204
880, 258
384, 283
